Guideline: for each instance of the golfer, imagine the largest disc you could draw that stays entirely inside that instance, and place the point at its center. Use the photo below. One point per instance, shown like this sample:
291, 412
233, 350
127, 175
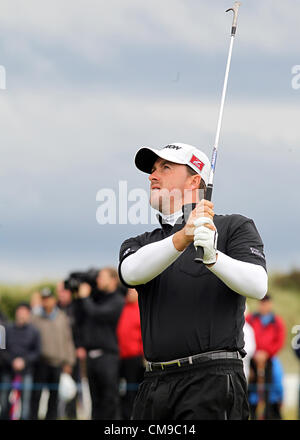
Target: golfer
192, 315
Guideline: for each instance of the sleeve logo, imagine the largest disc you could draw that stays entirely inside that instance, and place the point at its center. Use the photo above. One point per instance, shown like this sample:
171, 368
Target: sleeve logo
257, 252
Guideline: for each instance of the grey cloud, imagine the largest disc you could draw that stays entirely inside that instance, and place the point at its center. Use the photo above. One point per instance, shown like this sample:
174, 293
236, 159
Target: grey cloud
95, 28
62, 153
90, 81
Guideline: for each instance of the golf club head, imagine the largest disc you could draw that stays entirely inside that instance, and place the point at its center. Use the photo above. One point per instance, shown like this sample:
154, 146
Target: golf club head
235, 10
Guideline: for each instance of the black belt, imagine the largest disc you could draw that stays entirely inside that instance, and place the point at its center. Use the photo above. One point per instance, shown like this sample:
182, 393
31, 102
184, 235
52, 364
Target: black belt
191, 360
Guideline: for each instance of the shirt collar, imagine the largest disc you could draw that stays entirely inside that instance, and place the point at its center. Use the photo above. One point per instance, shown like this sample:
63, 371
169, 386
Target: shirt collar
169, 219
51, 315
267, 319
177, 217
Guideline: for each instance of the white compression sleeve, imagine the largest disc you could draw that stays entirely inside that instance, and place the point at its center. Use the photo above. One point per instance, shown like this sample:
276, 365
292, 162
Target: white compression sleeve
149, 261
247, 279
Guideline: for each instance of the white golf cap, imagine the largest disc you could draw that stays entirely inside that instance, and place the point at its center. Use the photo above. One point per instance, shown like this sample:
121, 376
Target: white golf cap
183, 154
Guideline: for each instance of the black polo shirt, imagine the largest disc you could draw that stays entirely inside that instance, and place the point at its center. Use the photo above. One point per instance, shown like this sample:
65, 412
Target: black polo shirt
187, 309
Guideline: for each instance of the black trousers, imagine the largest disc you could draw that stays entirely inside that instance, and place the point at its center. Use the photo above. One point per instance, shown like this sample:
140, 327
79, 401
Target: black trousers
103, 376
45, 376
210, 390
132, 370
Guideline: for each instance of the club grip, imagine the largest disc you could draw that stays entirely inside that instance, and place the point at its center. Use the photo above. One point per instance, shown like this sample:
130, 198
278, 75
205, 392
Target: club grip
199, 255
199, 250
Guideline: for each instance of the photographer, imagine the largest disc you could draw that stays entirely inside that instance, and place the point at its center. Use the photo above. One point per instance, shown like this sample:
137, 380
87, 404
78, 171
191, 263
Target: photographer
98, 312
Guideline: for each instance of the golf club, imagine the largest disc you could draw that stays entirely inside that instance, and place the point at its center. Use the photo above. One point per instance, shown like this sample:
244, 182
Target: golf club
209, 188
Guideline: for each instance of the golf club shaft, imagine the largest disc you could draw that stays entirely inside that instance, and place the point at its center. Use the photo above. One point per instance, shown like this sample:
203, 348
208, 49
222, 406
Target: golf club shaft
209, 188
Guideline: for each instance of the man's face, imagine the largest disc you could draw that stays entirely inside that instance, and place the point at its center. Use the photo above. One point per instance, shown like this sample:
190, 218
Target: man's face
132, 296
168, 180
64, 296
104, 280
265, 307
22, 316
49, 303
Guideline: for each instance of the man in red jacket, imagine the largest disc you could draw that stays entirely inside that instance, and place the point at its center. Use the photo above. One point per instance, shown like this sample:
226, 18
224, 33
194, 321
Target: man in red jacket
269, 330
131, 351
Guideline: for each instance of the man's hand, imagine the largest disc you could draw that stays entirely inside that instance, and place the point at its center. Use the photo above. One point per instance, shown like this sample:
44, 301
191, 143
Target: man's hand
18, 364
84, 290
185, 236
206, 238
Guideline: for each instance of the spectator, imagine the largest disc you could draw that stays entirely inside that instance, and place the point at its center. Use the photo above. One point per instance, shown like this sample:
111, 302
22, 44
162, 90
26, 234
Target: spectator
131, 351
97, 340
22, 351
57, 353
66, 304
269, 330
65, 301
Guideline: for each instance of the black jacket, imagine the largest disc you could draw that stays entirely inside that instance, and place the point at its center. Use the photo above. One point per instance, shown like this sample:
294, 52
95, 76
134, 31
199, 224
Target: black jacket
22, 342
96, 319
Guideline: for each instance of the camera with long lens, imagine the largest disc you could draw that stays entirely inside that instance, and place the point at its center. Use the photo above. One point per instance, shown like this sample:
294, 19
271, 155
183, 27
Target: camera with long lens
74, 280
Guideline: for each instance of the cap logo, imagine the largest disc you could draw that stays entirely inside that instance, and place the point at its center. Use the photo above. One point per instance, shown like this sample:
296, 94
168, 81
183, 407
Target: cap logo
173, 147
197, 162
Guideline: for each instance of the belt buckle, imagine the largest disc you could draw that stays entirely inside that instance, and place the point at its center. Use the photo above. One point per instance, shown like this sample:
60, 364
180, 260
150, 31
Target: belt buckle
163, 364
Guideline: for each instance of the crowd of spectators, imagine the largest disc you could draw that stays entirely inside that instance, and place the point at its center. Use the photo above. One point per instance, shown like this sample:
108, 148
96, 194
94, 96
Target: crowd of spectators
81, 344
92, 333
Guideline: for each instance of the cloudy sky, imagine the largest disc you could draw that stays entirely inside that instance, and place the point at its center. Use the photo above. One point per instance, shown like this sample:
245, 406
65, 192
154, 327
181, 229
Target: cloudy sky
89, 81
